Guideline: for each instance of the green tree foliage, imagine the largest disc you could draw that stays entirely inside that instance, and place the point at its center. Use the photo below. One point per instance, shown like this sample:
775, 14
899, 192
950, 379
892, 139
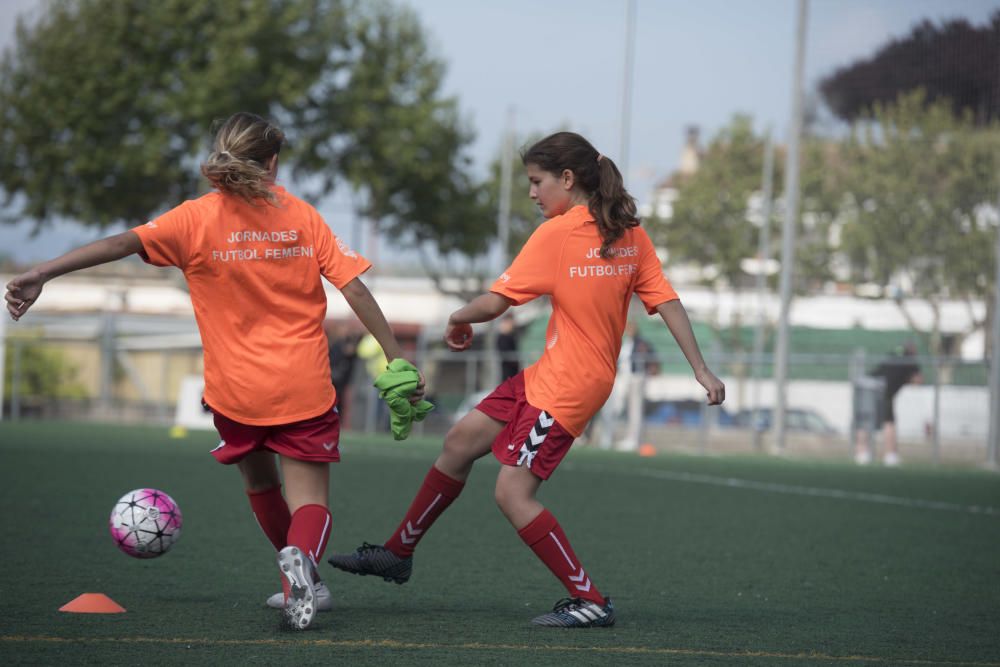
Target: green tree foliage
524, 213
43, 372
710, 225
920, 184
107, 105
955, 61
384, 125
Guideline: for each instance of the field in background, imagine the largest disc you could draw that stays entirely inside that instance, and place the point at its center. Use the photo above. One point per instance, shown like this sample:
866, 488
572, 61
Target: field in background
710, 560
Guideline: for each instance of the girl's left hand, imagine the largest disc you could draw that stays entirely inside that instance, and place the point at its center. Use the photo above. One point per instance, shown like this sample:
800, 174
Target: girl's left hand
713, 385
458, 337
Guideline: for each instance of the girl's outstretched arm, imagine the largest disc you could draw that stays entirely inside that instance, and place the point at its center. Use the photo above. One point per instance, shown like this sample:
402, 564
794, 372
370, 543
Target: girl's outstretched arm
485, 307
677, 321
23, 290
367, 309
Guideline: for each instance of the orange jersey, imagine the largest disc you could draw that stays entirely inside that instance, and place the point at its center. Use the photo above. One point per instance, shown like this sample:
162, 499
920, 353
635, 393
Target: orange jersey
254, 275
590, 300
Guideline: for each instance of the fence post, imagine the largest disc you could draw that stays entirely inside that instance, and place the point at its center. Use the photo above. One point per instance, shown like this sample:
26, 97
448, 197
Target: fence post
935, 425
3, 359
107, 362
15, 382
857, 373
708, 415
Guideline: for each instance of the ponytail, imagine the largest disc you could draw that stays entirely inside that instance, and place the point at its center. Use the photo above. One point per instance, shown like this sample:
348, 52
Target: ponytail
612, 207
241, 153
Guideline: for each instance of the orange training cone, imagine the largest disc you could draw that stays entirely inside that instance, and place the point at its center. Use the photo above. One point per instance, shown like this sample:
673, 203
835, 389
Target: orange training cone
92, 603
647, 450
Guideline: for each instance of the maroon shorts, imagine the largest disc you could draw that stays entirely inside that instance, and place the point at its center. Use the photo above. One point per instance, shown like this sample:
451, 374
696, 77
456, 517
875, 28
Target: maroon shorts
532, 437
313, 439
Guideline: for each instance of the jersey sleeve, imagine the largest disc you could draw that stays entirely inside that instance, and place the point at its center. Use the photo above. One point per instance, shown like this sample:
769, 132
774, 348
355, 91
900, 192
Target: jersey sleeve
166, 240
651, 285
337, 262
533, 272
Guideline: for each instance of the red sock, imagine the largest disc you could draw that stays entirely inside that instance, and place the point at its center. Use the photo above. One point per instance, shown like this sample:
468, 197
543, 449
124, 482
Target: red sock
435, 494
271, 511
310, 531
546, 538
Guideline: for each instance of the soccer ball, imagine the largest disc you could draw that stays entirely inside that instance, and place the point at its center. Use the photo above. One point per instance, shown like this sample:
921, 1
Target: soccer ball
145, 523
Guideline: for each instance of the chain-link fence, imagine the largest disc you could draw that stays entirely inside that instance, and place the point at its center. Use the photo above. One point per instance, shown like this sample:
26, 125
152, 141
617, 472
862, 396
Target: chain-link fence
656, 405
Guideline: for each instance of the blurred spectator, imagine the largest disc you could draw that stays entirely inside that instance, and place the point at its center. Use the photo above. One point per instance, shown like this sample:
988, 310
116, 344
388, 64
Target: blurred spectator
507, 346
343, 350
892, 374
642, 362
370, 352
636, 360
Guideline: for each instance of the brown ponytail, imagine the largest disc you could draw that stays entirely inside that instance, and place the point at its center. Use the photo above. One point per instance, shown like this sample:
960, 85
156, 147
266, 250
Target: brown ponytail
238, 164
613, 208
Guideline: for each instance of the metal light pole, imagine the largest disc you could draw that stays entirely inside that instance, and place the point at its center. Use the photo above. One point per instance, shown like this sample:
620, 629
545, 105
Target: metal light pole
788, 232
506, 177
764, 255
626, 120
493, 361
993, 446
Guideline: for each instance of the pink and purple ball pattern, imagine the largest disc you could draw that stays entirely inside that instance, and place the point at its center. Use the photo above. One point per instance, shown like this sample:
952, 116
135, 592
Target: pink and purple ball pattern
145, 523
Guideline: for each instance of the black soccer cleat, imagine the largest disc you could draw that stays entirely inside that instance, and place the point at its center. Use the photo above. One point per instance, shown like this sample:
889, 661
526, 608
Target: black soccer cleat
578, 613
374, 559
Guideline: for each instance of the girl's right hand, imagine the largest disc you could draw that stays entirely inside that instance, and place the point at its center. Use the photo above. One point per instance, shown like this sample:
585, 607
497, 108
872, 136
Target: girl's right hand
458, 337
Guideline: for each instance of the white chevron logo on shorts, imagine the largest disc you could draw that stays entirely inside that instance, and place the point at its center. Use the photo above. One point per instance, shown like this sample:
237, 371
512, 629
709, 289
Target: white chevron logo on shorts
409, 534
328, 446
535, 438
526, 456
576, 579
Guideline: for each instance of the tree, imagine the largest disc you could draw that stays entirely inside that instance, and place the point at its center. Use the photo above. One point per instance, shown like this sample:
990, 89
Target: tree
711, 223
385, 127
478, 275
38, 372
710, 226
955, 61
921, 182
524, 213
105, 106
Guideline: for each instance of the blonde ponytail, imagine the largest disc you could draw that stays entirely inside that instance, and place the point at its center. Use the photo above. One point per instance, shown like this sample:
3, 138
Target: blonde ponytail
241, 155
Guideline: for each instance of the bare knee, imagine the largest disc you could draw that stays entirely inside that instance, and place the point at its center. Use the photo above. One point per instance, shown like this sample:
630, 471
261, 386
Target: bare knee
516, 501
456, 443
462, 447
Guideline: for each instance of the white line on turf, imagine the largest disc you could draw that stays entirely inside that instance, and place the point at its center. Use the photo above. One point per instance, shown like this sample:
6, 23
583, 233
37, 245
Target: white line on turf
754, 485
813, 491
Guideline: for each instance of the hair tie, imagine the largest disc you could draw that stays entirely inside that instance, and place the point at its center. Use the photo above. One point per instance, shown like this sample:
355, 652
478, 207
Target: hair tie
599, 158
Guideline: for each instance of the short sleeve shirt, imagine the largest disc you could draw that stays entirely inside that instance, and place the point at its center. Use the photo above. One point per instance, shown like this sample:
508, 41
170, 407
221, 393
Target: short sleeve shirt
254, 272
590, 299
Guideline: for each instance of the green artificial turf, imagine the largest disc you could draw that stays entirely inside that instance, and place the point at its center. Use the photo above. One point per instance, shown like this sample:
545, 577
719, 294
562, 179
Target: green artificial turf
714, 561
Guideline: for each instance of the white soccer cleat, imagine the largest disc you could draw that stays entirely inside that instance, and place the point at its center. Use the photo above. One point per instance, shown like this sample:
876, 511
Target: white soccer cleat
324, 599
297, 570
863, 457
891, 459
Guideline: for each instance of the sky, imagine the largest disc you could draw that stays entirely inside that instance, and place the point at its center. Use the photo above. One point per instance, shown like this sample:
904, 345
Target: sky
560, 64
